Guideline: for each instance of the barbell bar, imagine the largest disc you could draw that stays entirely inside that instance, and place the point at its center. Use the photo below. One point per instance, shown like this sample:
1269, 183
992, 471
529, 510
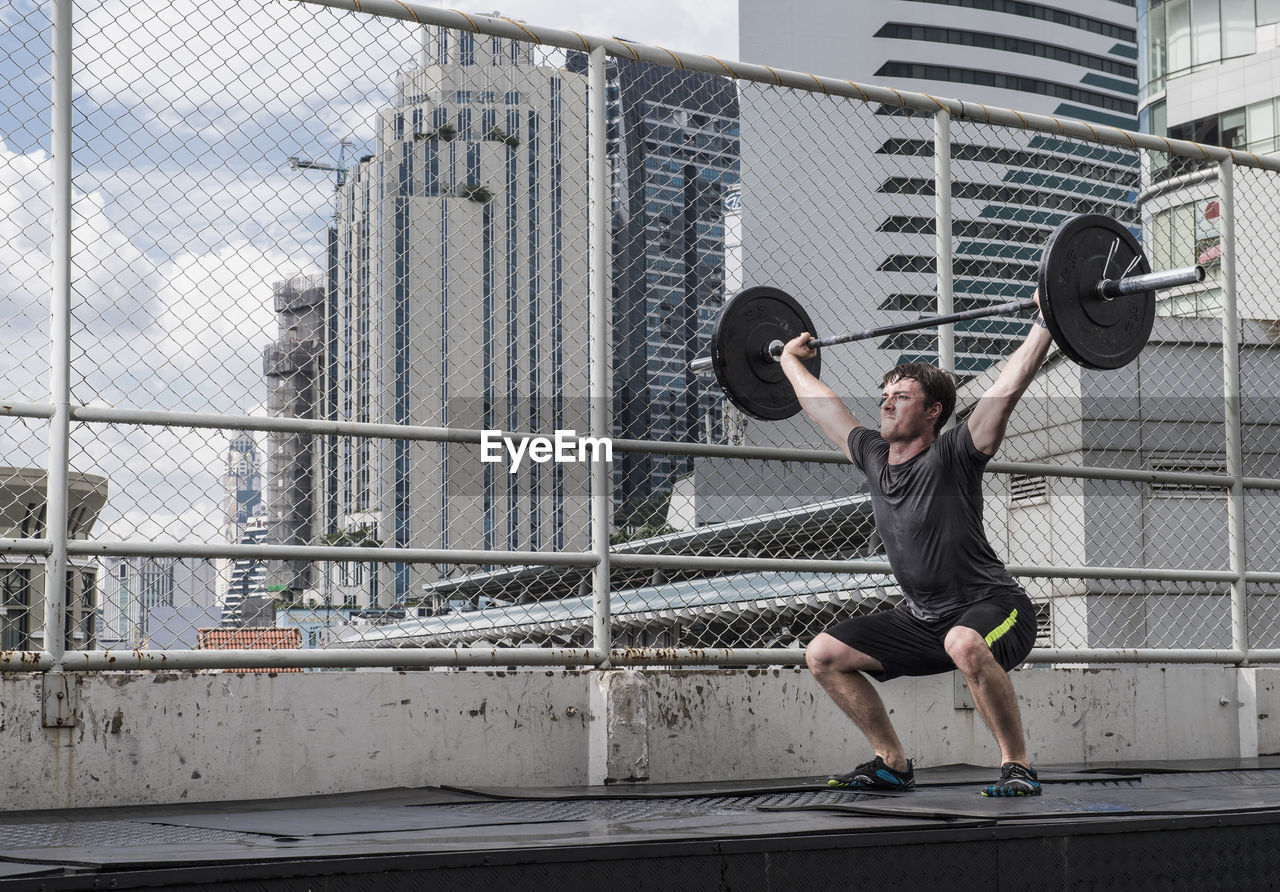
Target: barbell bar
1108, 288
1097, 319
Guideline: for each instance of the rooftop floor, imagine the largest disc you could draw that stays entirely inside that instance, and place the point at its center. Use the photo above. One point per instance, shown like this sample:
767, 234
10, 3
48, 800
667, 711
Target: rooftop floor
1198, 819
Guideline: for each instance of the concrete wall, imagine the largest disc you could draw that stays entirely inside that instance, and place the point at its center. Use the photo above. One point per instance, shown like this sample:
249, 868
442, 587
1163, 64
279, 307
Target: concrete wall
169, 737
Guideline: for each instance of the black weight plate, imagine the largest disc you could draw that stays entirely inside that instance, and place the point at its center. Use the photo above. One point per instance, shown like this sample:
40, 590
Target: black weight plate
748, 322
1095, 332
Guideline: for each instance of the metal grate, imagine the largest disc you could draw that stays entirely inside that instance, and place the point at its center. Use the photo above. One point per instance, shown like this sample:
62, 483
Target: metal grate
625, 809
105, 834
1026, 489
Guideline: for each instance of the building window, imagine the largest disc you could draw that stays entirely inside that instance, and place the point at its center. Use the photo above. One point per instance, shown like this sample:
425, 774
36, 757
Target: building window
1157, 61
1260, 126
1206, 37
1177, 18
442, 46
155, 584
15, 602
431, 168
1239, 35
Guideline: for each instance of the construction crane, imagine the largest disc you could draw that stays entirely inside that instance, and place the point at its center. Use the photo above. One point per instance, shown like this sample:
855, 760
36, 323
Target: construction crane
340, 169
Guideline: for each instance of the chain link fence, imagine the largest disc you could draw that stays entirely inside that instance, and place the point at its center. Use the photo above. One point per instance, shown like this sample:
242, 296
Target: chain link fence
331, 314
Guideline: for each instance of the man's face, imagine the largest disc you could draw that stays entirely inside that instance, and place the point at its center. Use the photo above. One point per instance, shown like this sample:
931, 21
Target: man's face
903, 413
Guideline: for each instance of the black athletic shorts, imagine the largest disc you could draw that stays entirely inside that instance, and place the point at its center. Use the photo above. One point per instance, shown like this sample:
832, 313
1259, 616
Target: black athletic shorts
905, 645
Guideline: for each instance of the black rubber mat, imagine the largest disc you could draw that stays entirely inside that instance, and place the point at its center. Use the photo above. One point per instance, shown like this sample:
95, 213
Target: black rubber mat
345, 821
1070, 802
939, 776
693, 826
384, 798
22, 869
1180, 766
532, 837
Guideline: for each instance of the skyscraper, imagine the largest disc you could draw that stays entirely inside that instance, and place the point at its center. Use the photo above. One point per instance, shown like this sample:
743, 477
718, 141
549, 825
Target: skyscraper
839, 198
461, 270
242, 499
241, 485
673, 156
295, 371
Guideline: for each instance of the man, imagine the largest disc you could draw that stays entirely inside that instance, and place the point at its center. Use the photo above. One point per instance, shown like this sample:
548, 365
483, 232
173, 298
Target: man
963, 610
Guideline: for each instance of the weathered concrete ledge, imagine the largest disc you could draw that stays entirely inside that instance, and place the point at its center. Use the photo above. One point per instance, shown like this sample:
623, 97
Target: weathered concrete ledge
140, 738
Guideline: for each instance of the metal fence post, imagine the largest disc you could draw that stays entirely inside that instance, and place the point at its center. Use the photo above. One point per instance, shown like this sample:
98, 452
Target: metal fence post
942, 222
1231, 393
55, 587
598, 272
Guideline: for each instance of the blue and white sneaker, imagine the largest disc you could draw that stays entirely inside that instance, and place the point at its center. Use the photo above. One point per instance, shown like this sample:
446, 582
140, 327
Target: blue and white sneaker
875, 775
1015, 780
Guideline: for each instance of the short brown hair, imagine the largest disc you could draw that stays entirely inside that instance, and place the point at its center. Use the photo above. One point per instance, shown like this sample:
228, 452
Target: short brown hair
938, 387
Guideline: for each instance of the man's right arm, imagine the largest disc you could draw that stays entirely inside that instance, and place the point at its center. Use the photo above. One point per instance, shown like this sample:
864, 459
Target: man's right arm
817, 400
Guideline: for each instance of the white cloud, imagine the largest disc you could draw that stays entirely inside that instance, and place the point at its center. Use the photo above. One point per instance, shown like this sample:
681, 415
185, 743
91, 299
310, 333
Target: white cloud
111, 279
218, 317
204, 69
709, 27
113, 283
198, 65
185, 334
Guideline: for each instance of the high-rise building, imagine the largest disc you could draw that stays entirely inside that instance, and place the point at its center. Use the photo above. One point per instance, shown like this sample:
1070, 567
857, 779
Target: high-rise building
461, 271
242, 498
1210, 72
838, 198
673, 157
296, 388
241, 485
248, 577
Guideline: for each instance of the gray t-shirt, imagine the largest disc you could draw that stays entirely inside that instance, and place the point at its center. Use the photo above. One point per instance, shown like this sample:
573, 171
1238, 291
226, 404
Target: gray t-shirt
929, 514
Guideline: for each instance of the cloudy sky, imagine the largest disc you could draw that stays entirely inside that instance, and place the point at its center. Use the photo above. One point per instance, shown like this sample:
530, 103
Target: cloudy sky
186, 211
709, 27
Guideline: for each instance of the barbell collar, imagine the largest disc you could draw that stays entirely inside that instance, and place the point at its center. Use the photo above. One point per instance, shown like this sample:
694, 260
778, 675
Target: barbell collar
1159, 281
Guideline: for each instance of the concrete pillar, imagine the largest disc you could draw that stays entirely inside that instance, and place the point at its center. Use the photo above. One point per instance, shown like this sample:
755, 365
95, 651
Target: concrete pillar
618, 747
1247, 710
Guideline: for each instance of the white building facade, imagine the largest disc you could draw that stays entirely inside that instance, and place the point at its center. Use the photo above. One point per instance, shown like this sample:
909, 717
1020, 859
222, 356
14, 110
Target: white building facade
1209, 72
157, 602
460, 301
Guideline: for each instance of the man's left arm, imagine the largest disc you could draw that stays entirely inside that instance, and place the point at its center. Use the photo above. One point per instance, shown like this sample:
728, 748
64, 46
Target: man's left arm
988, 421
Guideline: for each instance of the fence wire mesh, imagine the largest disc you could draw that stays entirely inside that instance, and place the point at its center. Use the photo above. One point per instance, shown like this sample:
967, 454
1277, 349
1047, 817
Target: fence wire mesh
287, 212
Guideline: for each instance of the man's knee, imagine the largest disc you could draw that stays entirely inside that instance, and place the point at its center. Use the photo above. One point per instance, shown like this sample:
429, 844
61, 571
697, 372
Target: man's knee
968, 650
826, 654
822, 654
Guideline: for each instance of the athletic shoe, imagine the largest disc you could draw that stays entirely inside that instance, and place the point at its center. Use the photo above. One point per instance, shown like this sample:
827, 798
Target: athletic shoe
1015, 780
875, 775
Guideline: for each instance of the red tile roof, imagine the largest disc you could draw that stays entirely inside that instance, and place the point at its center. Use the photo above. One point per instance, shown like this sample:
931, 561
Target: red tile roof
252, 638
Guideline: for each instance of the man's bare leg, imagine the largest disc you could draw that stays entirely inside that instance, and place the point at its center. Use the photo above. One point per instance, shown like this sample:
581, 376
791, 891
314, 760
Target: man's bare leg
992, 692
838, 668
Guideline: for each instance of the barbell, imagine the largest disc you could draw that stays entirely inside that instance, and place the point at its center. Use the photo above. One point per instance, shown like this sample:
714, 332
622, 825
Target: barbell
1097, 296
